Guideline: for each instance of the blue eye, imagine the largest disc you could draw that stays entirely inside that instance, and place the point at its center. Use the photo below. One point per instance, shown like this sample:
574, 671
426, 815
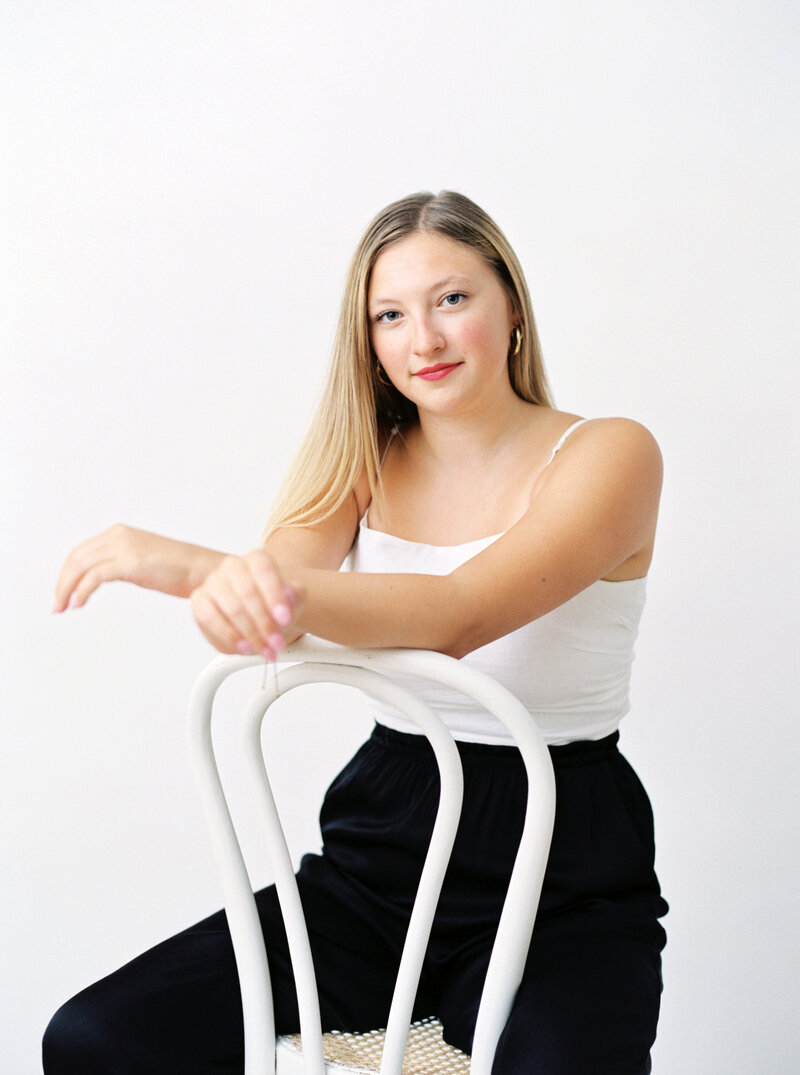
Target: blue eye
387, 317
454, 298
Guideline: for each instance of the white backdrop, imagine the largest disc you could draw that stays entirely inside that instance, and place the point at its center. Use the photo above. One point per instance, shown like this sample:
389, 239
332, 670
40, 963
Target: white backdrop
182, 186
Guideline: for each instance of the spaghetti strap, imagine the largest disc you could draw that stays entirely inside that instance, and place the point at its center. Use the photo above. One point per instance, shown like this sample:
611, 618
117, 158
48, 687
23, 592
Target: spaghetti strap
395, 430
563, 437
392, 435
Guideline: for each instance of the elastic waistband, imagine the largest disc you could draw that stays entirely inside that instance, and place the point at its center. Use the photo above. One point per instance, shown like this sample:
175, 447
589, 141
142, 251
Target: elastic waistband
568, 755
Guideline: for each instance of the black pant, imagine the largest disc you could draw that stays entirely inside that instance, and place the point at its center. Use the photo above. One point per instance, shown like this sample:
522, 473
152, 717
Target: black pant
589, 999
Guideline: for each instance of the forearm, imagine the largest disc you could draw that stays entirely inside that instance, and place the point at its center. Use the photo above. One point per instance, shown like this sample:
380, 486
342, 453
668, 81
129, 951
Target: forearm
381, 610
125, 554
200, 562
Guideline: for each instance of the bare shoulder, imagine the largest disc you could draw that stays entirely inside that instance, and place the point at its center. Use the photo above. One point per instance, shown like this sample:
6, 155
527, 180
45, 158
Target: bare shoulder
621, 442
609, 465
626, 432
604, 483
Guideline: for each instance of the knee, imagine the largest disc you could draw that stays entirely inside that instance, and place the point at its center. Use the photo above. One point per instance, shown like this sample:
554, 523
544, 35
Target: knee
561, 1050
76, 1041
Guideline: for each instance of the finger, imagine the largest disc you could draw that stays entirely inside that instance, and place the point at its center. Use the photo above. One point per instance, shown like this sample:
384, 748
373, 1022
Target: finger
97, 550
71, 570
213, 623
296, 596
278, 597
217, 627
227, 589
287, 615
254, 595
79, 577
257, 582
89, 582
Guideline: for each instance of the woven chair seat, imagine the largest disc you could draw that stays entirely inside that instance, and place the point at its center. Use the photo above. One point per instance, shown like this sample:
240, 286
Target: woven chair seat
360, 1054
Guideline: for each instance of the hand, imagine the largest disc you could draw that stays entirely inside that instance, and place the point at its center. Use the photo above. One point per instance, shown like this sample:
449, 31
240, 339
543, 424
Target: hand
245, 606
137, 556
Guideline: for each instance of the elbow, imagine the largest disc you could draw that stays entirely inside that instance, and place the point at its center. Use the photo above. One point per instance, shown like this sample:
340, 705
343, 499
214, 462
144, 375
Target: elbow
459, 631
456, 647
464, 642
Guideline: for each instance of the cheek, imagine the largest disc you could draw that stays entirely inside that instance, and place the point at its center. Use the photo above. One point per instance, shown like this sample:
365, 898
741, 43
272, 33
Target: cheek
386, 349
483, 336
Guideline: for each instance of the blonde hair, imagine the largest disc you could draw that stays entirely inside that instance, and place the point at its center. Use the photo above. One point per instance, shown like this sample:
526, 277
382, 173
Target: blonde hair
357, 410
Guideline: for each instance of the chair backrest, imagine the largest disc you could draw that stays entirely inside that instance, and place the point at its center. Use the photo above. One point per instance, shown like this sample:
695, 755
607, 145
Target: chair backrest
312, 660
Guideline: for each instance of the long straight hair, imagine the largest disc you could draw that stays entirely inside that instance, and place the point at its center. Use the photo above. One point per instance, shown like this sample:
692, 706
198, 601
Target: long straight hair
357, 410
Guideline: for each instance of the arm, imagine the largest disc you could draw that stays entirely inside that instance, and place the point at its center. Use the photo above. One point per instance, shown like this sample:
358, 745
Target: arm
596, 508
249, 604
125, 554
154, 562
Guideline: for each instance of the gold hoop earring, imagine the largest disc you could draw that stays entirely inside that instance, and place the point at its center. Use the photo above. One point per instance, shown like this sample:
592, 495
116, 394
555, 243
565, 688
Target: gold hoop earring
378, 372
516, 335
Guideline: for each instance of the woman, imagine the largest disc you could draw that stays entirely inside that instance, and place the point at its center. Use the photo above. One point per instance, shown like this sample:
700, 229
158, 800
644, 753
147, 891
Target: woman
482, 523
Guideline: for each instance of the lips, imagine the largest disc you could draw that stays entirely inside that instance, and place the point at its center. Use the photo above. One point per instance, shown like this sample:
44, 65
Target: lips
435, 373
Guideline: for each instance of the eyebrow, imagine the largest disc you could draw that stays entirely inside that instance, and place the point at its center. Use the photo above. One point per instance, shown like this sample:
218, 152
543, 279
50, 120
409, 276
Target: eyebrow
455, 278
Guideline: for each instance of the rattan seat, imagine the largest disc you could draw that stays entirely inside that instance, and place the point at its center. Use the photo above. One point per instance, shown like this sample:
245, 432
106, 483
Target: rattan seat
360, 1054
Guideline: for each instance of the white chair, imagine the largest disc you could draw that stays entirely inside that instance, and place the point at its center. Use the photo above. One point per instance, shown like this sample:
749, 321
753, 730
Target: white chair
312, 660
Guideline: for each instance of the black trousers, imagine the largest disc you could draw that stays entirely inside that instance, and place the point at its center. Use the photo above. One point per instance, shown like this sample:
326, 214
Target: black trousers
589, 999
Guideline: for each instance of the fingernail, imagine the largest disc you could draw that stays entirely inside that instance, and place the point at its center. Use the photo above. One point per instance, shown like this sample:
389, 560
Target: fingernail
282, 614
73, 601
289, 593
268, 654
276, 641
56, 608
243, 646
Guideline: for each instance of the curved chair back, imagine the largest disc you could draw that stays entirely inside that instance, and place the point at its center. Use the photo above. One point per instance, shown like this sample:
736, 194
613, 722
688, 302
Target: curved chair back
312, 660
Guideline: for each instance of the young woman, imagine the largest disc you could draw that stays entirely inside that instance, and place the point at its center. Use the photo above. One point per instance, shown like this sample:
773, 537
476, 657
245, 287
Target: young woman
482, 523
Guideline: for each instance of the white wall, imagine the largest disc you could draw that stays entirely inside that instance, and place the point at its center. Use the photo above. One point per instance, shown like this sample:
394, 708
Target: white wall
182, 185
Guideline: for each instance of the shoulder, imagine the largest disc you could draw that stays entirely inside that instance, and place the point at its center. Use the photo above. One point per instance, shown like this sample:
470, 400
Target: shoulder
629, 444
609, 438
622, 435
606, 454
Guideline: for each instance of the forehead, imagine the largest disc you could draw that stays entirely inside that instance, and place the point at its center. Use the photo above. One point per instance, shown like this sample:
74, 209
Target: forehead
421, 260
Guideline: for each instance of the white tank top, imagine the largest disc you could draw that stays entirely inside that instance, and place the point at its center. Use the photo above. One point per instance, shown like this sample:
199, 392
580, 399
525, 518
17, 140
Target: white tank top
570, 668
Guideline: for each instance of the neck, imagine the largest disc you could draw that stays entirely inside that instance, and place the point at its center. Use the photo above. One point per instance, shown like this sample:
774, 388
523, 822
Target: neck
464, 439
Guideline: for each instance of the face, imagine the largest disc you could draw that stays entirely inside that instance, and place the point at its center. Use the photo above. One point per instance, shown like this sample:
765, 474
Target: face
440, 323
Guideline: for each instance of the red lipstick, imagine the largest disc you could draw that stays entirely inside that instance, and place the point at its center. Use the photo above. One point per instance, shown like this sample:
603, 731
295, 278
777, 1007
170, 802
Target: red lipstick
435, 373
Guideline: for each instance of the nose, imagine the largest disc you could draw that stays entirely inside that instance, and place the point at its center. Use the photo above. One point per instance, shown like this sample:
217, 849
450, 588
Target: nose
427, 338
